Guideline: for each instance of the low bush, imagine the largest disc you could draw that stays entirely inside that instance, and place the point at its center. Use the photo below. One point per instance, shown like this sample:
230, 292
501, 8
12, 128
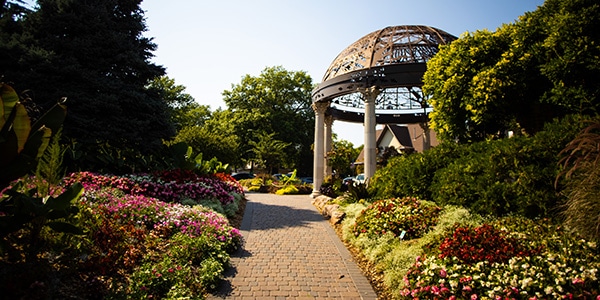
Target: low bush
483, 243
407, 218
287, 190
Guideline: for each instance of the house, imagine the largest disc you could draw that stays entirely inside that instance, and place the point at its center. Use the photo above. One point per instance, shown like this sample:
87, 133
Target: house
402, 137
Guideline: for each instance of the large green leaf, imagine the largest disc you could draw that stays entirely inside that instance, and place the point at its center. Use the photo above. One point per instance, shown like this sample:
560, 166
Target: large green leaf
9, 98
53, 118
21, 125
65, 227
64, 200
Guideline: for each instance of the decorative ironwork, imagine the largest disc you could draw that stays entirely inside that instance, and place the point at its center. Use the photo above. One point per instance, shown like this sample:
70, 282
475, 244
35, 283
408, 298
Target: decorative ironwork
393, 60
398, 98
389, 46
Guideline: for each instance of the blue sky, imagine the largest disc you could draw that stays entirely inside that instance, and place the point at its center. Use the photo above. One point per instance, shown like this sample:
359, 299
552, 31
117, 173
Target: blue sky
207, 46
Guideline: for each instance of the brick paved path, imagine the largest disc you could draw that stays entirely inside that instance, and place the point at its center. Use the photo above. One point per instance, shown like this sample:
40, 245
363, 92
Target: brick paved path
291, 252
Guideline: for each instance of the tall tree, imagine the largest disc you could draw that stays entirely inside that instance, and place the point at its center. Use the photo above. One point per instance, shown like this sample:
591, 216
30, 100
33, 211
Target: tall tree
94, 53
183, 109
277, 101
11, 34
213, 135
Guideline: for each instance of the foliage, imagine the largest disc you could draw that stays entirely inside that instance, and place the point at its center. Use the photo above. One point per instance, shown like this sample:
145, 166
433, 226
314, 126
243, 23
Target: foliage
341, 157
498, 177
518, 77
412, 175
133, 246
49, 171
169, 243
99, 58
582, 175
202, 138
392, 257
183, 110
21, 142
357, 192
290, 179
32, 211
483, 243
560, 266
406, 218
277, 101
268, 151
287, 190
332, 187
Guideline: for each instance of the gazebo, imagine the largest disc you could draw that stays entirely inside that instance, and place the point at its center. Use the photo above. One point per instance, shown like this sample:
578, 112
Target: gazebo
375, 80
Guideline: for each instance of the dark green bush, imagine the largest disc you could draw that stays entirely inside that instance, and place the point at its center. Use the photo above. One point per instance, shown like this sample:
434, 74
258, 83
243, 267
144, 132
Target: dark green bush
411, 175
498, 177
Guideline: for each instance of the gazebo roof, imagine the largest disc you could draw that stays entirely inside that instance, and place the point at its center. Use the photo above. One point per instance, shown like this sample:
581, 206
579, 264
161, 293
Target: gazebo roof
392, 45
394, 60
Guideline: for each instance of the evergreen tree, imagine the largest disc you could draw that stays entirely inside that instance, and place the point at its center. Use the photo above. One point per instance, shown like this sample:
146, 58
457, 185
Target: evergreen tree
94, 53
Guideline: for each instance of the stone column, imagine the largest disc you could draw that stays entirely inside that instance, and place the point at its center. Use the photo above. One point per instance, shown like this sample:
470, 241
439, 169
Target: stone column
319, 149
328, 143
370, 95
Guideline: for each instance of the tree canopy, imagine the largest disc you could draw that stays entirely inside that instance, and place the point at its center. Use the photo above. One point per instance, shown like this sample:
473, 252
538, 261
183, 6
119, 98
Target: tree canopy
275, 102
518, 77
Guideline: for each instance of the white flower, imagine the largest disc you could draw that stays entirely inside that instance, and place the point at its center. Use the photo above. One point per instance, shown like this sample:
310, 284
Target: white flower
526, 282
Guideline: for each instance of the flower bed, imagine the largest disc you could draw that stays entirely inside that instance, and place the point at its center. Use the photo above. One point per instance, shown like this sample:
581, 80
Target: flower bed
134, 245
169, 186
464, 256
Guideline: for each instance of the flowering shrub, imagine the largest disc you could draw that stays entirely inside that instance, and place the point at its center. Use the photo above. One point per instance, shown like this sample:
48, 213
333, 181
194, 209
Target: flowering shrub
399, 216
483, 243
554, 265
168, 186
160, 244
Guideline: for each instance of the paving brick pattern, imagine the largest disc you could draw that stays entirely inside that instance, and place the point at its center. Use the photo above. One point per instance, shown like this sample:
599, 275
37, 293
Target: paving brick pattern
290, 252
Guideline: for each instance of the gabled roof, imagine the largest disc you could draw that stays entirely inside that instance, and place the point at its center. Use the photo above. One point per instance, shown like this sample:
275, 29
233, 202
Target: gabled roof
400, 133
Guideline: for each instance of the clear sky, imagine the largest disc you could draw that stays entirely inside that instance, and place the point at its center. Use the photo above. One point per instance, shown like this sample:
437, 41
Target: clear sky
208, 46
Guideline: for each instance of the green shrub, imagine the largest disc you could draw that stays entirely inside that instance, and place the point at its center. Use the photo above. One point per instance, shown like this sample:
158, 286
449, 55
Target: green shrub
411, 175
287, 190
498, 177
514, 175
357, 192
407, 218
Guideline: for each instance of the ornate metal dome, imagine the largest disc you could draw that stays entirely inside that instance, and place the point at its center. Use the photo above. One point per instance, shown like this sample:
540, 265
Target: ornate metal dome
393, 59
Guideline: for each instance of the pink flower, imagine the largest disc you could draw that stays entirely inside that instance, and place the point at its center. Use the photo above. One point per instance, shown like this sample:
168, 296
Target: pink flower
577, 280
467, 288
474, 297
443, 273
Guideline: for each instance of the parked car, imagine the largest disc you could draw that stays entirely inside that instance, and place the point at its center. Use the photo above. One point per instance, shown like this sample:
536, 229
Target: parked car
240, 176
306, 179
348, 180
360, 178
352, 180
